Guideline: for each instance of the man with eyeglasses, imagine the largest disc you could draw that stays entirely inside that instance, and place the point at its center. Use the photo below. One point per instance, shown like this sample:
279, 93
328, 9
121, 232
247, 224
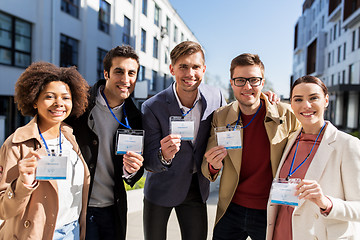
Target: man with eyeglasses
249, 167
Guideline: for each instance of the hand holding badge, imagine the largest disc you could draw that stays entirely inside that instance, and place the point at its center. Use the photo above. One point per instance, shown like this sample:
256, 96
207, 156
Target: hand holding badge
129, 140
283, 191
182, 127
229, 137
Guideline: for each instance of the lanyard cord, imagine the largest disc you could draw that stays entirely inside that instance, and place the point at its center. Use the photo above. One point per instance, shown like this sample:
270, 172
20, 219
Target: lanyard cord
297, 145
184, 114
126, 119
237, 122
46, 146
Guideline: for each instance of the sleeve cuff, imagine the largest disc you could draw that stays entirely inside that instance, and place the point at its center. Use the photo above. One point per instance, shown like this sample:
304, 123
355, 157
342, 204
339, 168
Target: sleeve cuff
212, 170
327, 210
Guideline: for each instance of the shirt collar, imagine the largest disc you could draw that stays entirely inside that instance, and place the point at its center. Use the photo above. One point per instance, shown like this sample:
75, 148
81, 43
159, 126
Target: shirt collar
100, 99
198, 97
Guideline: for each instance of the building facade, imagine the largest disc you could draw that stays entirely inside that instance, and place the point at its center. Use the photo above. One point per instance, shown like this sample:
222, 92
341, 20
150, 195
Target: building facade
80, 32
327, 45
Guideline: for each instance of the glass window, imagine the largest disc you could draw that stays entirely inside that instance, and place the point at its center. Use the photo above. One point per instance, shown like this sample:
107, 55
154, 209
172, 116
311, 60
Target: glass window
100, 67
157, 15
144, 7
335, 31
127, 29
182, 37
351, 74
15, 41
155, 48
344, 55
153, 81
71, 7
166, 58
175, 33
353, 41
69, 51
168, 25
141, 75
343, 76
104, 16
359, 37
143, 40
339, 54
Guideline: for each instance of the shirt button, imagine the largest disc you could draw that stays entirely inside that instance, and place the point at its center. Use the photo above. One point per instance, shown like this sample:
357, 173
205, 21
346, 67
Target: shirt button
27, 224
315, 238
95, 142
45, 196
10, 195
316, 216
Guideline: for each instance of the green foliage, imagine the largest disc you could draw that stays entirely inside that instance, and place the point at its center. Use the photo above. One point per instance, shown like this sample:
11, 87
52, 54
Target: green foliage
355, 134
139, 184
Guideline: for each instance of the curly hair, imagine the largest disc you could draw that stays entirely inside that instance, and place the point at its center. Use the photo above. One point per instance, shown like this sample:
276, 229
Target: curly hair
35, 78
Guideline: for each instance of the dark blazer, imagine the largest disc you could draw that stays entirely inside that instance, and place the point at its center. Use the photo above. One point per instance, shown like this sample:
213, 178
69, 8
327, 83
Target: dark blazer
168, 186
89, 143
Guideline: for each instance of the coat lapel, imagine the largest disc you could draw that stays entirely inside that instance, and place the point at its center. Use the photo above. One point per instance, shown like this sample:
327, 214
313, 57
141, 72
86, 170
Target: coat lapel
322, 155
235, 154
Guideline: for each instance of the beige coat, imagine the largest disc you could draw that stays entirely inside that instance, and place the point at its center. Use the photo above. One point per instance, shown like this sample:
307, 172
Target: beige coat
336, 167
31, 213
279, 123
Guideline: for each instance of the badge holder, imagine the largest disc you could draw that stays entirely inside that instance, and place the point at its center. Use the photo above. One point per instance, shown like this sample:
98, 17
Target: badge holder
129, 140
229, 137
185, 128
51, 168
283, 191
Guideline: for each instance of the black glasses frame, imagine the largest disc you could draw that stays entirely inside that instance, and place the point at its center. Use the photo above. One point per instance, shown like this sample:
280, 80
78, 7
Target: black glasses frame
251, 81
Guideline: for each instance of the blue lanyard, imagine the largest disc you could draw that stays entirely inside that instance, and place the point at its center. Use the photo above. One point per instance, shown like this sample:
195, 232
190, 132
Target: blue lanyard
238, 120
126, 119
184, 114
297, 145
46, 146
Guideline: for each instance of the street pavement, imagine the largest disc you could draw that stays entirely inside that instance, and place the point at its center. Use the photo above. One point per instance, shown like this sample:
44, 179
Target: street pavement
135, 221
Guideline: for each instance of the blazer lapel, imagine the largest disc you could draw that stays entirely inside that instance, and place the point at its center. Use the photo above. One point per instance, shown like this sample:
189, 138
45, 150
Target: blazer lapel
322, 155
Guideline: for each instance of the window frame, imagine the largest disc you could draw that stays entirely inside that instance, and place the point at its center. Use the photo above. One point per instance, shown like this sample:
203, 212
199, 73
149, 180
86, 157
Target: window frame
72, 4
104, 26
12, 48
73, 53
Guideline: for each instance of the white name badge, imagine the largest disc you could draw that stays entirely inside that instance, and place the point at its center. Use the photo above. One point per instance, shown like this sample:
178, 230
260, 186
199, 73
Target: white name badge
129, 140
180, 126
283, 191
228, 137
51, 168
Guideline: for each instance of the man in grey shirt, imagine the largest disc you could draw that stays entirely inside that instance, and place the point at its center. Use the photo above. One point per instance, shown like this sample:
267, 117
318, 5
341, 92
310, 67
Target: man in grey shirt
110, 108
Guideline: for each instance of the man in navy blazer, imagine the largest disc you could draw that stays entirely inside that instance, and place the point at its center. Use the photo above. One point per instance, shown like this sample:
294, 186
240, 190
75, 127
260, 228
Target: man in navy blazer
174, 179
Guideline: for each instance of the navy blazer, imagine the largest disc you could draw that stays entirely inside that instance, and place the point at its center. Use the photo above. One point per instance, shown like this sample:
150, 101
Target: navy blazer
168, 186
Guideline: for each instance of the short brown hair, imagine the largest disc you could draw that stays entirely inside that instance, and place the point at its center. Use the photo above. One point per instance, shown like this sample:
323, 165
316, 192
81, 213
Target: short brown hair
186, 48
35, 78
309, 79
247, 59
119, 51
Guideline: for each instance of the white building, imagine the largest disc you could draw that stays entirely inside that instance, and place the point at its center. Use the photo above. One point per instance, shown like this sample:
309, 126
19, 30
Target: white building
80, 32
327, 45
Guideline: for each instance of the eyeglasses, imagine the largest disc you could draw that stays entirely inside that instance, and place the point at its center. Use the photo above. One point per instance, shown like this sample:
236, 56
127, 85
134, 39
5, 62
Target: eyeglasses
241, 81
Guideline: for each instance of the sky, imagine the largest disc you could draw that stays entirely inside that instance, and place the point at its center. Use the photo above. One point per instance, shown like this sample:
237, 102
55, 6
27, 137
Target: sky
228, 28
